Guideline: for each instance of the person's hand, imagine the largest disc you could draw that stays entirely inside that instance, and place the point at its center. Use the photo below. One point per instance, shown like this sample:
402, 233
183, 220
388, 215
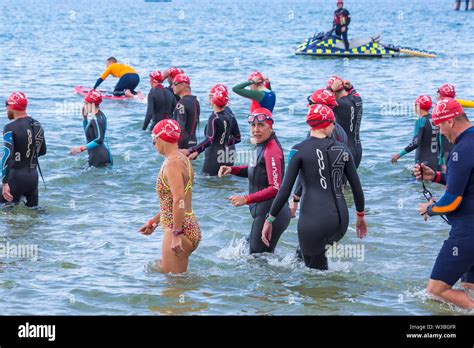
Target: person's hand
185, 152
395, 158
343, 29
337, 84
422, 207
84, 112
424, 172
238, 201
6, 193
257, 80
224, 170
193, 155
75, 150
361, 227
147, 229
347, 85
267, 233
177, 245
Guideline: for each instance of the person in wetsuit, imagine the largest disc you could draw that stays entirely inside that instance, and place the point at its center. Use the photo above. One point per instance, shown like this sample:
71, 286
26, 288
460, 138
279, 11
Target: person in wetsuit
24, 142
265, 177
341, 21
161, 102
97, 148
128, 78
456, 258
170, 74
426, 138
260, 92
445, 91
347, 115
324, 97
186, 112
221, 133
321, 162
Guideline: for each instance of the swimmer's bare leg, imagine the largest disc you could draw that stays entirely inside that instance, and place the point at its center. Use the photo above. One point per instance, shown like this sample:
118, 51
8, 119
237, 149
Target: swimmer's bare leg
445, 292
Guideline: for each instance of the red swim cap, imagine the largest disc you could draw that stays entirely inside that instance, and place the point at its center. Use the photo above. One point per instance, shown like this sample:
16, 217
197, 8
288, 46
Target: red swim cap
261, 115
447, 90
446, 109
157, 76
217, 87
320, 116
167, 130
220, 97
181, 78
93, 97
174, 71
17, 101
340, 2
256, 76
424, 101
323, 96
333, 79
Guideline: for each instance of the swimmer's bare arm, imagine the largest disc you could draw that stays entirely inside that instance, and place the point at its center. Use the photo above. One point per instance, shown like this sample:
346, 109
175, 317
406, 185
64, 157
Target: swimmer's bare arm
148, 228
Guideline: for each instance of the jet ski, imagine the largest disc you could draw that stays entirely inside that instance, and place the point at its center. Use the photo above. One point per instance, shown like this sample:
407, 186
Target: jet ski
328, 45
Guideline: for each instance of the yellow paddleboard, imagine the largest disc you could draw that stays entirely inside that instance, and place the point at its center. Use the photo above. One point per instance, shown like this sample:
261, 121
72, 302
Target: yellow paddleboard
466, 103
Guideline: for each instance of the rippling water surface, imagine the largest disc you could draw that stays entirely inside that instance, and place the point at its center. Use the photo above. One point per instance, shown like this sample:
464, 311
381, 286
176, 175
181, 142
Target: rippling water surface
91, 258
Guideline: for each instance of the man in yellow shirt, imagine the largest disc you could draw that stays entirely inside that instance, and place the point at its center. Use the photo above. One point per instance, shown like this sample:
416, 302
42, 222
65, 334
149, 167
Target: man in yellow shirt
128, 78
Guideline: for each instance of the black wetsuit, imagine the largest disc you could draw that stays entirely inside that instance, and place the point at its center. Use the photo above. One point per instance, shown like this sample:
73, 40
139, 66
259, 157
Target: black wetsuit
349, 116
99, 153
324, 216
221, 133
170, 88
338, 134
265, 178
187, 112
161, 103
23, 143
426, 141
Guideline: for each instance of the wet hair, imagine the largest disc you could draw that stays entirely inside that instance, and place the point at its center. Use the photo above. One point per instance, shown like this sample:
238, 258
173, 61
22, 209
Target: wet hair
112, 59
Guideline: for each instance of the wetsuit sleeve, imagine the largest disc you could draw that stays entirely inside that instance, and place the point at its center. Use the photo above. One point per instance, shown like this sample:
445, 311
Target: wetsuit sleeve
254, 95
210, 135
236, 136
99, 136
42, 150
440, 178
298, 188
8, 149
180, 116
242, 171
273, 164
459, 174
150, 111
288, 182
350, 172
417, 136
98, 82
106, 72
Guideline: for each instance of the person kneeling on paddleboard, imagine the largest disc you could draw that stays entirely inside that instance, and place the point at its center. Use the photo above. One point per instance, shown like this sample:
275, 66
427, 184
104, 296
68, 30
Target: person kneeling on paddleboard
128, 78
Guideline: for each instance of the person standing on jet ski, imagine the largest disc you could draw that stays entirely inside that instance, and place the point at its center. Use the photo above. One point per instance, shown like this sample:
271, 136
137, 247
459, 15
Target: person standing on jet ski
341, 21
